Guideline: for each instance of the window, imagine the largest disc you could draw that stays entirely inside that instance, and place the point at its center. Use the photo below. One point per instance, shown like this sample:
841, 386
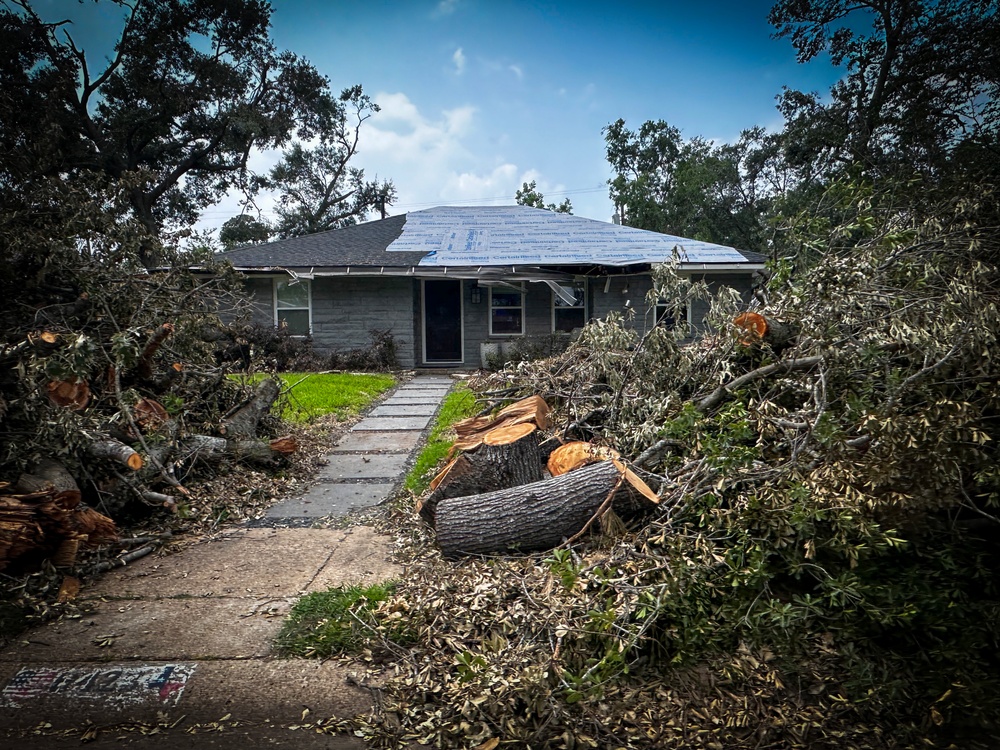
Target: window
506, 312
569, 315
669, 316
292, 308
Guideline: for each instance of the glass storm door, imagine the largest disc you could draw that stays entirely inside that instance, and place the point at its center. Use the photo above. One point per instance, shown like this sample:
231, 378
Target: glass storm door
442, 321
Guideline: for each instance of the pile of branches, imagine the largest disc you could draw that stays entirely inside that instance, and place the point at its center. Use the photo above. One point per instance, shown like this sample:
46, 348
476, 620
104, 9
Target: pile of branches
111, 397
821, 570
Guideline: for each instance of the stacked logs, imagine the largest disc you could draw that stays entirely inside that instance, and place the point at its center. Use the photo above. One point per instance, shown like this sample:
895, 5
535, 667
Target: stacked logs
43, 516
498, 495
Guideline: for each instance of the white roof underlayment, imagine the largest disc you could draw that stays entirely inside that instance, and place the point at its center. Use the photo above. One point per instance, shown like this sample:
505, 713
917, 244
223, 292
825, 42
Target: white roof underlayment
519, 235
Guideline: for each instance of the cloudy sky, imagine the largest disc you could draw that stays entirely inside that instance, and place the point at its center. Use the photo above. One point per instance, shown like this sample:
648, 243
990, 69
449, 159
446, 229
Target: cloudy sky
479, 96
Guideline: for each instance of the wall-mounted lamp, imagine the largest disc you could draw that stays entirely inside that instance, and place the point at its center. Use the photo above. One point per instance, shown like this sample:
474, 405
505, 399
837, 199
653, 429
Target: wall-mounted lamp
477, 293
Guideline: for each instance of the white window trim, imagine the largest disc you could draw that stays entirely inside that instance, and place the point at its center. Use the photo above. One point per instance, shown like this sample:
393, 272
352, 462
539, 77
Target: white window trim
586, 299
490, 309
687, 315
275, 280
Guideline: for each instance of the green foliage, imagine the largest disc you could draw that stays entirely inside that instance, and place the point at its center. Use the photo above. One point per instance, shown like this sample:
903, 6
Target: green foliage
692, 188
190, 90
340, 620
244, 230
836, 511
458, 405
318, 190
308, 396
529, 195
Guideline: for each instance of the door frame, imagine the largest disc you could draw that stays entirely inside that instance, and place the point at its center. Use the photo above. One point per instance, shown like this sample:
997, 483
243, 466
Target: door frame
423, 323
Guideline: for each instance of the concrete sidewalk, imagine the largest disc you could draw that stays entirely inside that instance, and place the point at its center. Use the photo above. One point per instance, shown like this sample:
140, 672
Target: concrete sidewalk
188, 638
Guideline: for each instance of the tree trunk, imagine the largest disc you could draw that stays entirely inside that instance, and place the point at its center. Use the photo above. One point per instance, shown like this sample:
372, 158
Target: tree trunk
243, 422
536, 516
508, 457
47, 474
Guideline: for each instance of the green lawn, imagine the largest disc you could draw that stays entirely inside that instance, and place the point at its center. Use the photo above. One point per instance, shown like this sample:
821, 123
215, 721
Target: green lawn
459, 404
338, 620
308, 396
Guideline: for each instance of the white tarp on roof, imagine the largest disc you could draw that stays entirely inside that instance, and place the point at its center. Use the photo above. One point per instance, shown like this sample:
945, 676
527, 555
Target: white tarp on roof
519, 235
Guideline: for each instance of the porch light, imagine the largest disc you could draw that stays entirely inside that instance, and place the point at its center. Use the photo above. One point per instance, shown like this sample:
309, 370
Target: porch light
477, 293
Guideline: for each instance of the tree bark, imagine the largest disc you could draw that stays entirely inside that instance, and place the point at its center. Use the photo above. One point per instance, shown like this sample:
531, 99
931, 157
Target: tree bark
144, 368
47, 474
508, 457
116, 451
243, 422
530, 517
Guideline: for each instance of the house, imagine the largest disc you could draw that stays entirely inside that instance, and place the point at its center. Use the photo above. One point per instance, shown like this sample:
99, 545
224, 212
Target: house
447, 281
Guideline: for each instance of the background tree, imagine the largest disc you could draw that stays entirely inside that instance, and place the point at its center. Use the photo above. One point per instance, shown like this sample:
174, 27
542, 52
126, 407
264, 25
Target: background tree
921, 89
693, 188
318, 189
529, 195
244, 230
191, 89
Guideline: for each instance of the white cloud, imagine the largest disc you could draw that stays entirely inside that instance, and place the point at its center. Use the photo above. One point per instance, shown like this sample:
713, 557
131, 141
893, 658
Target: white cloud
433, 159
447, 7
436, 160
516, 70
459, 59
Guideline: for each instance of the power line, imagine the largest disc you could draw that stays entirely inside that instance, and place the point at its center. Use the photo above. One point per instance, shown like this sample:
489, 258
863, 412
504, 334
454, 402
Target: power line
440, 202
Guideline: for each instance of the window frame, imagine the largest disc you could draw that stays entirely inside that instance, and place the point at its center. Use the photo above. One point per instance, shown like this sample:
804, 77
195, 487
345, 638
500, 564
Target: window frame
276, 282
521, 307
665, 306
555, 306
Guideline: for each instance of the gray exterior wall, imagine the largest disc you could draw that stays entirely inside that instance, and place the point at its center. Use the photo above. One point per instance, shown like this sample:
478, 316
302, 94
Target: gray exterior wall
345, 309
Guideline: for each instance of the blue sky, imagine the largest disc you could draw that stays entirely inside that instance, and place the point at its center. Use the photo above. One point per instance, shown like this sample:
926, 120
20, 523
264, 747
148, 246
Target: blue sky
478, 97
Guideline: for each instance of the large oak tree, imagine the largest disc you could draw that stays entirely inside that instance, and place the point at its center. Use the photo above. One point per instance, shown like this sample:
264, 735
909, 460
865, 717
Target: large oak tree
190, 90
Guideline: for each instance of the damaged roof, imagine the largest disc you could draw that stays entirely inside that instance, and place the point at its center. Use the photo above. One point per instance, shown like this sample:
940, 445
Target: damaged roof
458, 236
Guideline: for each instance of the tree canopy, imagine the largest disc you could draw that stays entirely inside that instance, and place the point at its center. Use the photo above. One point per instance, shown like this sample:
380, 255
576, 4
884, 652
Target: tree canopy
918, 100
529, 195
191, 89
318, 189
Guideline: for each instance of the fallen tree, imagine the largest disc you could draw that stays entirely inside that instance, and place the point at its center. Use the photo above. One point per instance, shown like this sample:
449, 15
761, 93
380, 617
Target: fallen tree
108, 379
821, 570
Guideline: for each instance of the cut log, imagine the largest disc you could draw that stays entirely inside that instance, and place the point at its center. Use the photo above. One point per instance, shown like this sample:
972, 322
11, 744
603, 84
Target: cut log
71, 394
531, 517
576, 454
508, 456
286, 445
116, 451
49, 524
531, 410
150, 414
47, 474
755, 329
243, 422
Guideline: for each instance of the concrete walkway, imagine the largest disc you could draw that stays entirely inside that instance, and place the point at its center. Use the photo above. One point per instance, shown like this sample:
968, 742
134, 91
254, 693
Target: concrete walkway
187, 638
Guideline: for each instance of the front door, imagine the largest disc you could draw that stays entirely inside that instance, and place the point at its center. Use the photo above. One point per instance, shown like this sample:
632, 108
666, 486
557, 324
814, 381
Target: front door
442, 321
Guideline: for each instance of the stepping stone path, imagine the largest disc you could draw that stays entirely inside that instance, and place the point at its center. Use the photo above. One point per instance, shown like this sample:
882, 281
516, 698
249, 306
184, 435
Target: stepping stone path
365, 466
188, 637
